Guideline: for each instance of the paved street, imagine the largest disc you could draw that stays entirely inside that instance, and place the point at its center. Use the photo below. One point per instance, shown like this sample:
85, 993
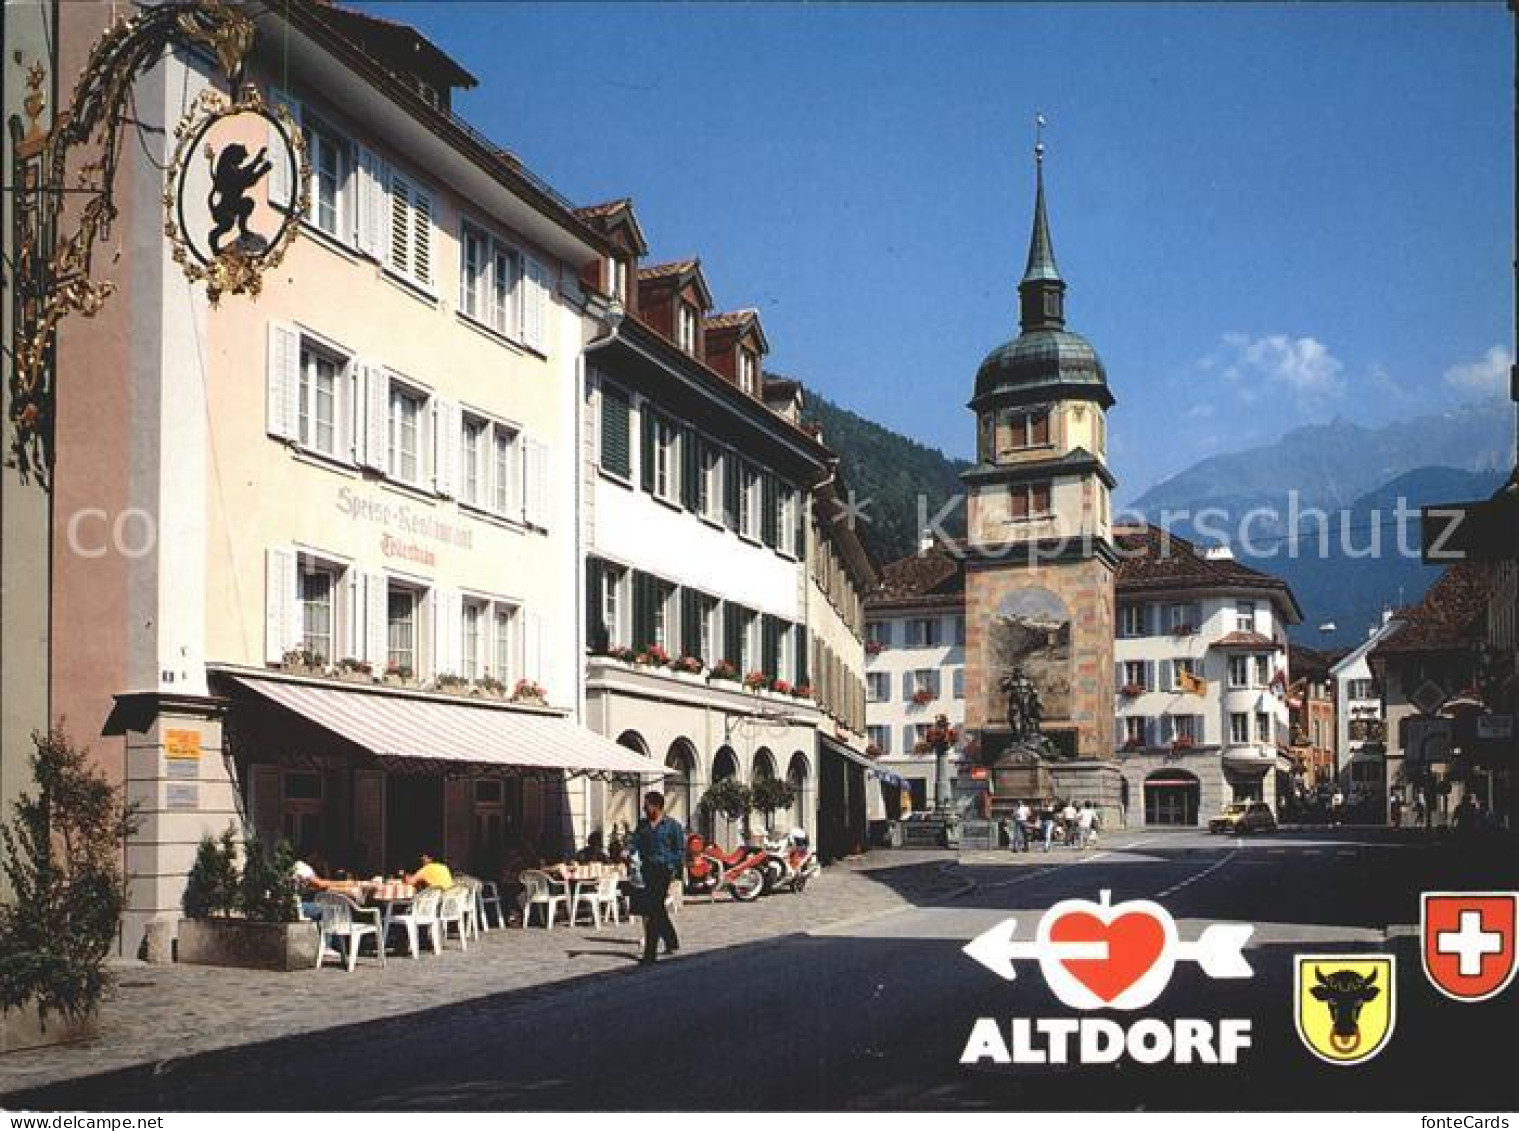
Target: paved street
873, 1010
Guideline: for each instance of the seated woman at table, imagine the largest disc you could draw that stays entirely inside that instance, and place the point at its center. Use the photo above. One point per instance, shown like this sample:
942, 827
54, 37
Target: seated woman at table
307, 872
593, 852
432, 874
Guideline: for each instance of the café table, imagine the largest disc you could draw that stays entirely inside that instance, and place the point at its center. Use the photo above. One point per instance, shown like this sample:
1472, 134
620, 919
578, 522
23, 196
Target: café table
390, 898
576, 878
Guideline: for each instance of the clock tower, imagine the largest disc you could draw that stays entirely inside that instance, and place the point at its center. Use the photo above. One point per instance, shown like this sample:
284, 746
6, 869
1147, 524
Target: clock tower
1040, 559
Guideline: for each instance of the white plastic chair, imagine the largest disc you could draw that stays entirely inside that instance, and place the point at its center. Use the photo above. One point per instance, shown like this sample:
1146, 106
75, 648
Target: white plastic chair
472, 903
420, 912
602, 897
341, 923
539, 891
456, 908
489, 897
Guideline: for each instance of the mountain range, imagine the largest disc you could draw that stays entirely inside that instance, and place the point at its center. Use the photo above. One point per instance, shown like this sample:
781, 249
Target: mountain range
1355, 474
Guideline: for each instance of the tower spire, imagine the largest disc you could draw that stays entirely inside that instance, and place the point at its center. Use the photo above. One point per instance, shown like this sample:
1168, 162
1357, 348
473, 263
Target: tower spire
1042, 291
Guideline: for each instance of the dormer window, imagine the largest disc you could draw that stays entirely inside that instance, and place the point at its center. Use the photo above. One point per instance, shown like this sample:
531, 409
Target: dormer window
747, 372
686, 328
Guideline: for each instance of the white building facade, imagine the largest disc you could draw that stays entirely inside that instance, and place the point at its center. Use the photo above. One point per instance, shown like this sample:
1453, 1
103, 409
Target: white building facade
914, 672
1201, 668
1360, 718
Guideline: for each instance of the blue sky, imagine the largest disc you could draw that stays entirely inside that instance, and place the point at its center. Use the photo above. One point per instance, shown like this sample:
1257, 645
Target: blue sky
1267, 215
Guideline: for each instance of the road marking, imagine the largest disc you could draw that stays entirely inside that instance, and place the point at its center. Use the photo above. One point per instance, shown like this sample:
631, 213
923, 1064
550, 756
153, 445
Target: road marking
1189, 881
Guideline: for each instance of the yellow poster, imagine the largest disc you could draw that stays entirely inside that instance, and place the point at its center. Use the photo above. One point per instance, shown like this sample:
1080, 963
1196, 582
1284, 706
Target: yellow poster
182, 743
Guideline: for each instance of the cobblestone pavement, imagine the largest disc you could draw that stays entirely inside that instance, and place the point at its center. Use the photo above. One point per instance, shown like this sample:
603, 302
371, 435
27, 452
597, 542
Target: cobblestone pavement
157, 1013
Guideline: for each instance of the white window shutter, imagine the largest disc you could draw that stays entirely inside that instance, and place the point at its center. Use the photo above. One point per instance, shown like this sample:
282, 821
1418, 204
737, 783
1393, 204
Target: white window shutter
281, 176
376, 600
376, 415
354, 613
535, 304
398, 255
371, 214
279, 574
421, 239
446, 629
536, 482
446, 428
283, 381
532, 646
295, 619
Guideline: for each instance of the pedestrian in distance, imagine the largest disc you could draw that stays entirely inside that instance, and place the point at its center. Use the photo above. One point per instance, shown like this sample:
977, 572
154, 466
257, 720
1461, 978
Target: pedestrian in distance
1396, 812
1020, 827
1068, 824
1047, 823
1421, 813
1086, 823
660, 845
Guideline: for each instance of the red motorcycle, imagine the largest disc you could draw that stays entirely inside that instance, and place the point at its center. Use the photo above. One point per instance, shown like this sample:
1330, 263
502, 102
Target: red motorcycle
710, 870
790, 862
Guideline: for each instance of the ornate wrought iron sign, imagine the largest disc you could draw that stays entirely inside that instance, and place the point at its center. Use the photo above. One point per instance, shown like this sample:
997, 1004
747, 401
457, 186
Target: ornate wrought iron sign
225, 217
224, 227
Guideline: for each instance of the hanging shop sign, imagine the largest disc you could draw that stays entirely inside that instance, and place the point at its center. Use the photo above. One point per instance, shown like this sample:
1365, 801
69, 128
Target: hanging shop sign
238, 183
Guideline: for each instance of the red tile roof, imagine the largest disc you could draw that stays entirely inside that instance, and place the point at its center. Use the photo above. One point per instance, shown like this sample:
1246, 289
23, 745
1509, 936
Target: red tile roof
605, 208
1244, 640
1152, 559
668, 270
731, 319
1448, 619
933, 578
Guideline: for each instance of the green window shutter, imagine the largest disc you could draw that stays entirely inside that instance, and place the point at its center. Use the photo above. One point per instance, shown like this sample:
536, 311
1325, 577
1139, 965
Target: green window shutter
730, 490
770, 650
643, 609
690, 467
646, 448
801, 655
595, 627
690, 623
733, 633
769, 532
801, 525
615, 451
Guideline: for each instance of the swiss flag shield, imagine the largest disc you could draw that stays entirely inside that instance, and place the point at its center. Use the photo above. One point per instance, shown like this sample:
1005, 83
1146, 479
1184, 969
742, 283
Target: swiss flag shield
1468, 941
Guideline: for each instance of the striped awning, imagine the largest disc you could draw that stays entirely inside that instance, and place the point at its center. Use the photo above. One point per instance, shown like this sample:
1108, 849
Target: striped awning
390, 725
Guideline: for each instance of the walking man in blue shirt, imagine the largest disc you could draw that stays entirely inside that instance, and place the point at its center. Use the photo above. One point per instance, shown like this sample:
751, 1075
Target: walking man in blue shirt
660, 843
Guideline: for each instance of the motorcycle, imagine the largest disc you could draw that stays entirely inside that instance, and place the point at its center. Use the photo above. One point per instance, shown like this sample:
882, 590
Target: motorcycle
710, 870
790, 862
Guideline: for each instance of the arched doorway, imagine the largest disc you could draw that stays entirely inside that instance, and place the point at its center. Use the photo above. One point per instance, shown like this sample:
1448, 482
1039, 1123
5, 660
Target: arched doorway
680, 787
1172, 798
723, 829
797, 773
621, 805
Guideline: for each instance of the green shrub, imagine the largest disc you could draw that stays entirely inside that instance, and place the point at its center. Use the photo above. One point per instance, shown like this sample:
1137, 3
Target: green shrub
771, 795
269, 892
61, 854
730, 797
212, 886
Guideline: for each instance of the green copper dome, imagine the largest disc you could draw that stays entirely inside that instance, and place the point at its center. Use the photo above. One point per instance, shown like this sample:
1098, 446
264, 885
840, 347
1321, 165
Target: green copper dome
1046, 361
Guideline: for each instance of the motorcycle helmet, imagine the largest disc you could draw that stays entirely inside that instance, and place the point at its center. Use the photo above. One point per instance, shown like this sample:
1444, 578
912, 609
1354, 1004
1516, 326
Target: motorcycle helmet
798, 837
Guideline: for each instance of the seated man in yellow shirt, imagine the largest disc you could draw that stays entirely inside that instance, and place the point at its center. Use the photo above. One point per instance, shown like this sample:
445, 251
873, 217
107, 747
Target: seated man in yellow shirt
432, 874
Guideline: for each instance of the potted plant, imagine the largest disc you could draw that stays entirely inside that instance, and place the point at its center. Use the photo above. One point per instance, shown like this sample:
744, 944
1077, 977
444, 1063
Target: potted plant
724, 670
62, 850
1133, 744
1131, 690
302, 661
802, 691
730, 798
653, 656
450, 683
922, 697
873, 751
941, 734
398, 675
355, 670
780, 686
921, 747
769, 796
249, 918
1184, 629
527, 691
874, 647
756, 681
488, 684
688, 665
1183, 742
621, 653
